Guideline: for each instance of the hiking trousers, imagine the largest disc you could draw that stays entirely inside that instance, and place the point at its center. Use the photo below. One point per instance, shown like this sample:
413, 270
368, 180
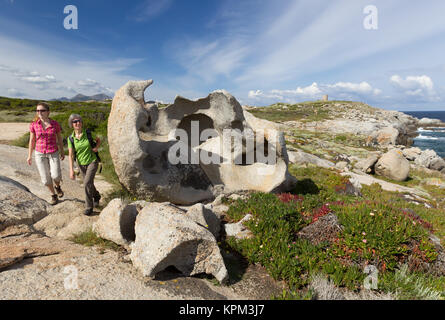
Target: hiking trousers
88, 173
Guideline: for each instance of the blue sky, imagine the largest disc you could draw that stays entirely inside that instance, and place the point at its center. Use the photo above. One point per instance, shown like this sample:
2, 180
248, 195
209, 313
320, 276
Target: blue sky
261, 51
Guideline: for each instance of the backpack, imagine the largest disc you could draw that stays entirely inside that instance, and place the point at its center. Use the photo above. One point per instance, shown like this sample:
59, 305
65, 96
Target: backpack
92, 144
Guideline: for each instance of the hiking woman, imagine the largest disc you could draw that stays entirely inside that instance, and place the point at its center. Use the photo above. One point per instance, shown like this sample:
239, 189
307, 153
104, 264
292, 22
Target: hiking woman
45, 137
84, 151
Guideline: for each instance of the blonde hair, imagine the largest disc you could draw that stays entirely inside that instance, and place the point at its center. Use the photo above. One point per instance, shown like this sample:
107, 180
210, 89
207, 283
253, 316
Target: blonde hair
43, 104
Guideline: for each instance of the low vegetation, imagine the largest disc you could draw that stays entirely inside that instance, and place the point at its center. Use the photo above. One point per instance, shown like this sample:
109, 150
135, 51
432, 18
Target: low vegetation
378, 228
90, 239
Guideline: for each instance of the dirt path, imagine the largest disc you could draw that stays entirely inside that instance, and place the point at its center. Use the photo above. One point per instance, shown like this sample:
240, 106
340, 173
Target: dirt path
14, 165
13, 130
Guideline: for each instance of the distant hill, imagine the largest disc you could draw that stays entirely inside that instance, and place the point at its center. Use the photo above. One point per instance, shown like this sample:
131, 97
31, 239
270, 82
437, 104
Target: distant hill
82, 98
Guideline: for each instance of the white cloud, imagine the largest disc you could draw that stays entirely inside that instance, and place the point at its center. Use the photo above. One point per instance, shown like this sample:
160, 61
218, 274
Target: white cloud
93, 85
50, 74
37, 79
339, 90
12, 92
420, 87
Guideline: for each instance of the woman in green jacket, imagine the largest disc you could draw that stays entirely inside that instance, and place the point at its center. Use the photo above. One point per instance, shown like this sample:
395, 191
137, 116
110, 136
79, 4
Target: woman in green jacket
86, 159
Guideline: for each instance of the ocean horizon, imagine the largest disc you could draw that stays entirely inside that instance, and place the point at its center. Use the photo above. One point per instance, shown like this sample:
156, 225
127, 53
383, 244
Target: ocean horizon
430, 138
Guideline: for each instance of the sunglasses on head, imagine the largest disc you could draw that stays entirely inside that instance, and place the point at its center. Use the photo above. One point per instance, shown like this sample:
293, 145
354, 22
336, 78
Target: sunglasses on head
76, 121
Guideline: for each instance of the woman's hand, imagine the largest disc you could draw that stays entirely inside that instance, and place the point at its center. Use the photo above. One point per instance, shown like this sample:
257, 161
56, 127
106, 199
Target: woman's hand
29, 161
95, 149
72, 175
62, 156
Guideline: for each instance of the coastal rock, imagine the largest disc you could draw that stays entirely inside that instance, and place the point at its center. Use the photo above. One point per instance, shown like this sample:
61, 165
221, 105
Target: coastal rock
367, 165
117, 221
393, 165
429, 159
150, 161
384, 137
18, 205
204, 216
429, 122
166, 236
411, 153
301, 157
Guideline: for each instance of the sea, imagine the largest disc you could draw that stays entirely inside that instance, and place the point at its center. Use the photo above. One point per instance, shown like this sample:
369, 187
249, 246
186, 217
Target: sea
430, 139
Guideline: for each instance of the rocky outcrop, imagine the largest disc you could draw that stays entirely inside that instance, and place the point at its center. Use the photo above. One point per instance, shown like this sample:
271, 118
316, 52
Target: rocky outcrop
18, 205
65, 220
151, 161
429, 159
18, 242
301, 157
166, 236
424, 122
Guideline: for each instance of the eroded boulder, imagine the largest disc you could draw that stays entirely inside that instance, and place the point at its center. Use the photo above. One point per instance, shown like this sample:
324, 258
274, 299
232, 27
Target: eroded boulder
117, 221
166, 236
179, 153
393, 165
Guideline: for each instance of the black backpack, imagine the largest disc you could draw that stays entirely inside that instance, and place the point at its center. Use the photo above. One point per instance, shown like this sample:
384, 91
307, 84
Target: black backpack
92, 144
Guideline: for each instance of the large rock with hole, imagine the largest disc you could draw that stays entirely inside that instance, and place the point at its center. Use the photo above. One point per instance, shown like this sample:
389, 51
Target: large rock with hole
393, 165
166, 236
180, 153
18, 205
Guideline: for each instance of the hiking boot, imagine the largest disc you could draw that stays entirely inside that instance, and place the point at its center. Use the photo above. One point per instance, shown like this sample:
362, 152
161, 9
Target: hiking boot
96, 200
54, 199
88, 212
59, 191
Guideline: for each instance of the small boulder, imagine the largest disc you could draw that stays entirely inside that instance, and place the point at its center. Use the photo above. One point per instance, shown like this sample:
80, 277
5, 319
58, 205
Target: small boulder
429, 159
239, 230
166, 236
411, 153
393, 165
367, 165
117, 221
301, 157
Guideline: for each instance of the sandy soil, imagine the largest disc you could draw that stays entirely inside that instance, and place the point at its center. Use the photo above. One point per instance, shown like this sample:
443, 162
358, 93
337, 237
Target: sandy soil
12, 131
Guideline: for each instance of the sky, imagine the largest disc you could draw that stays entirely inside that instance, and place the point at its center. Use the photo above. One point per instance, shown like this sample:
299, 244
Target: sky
387, 53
